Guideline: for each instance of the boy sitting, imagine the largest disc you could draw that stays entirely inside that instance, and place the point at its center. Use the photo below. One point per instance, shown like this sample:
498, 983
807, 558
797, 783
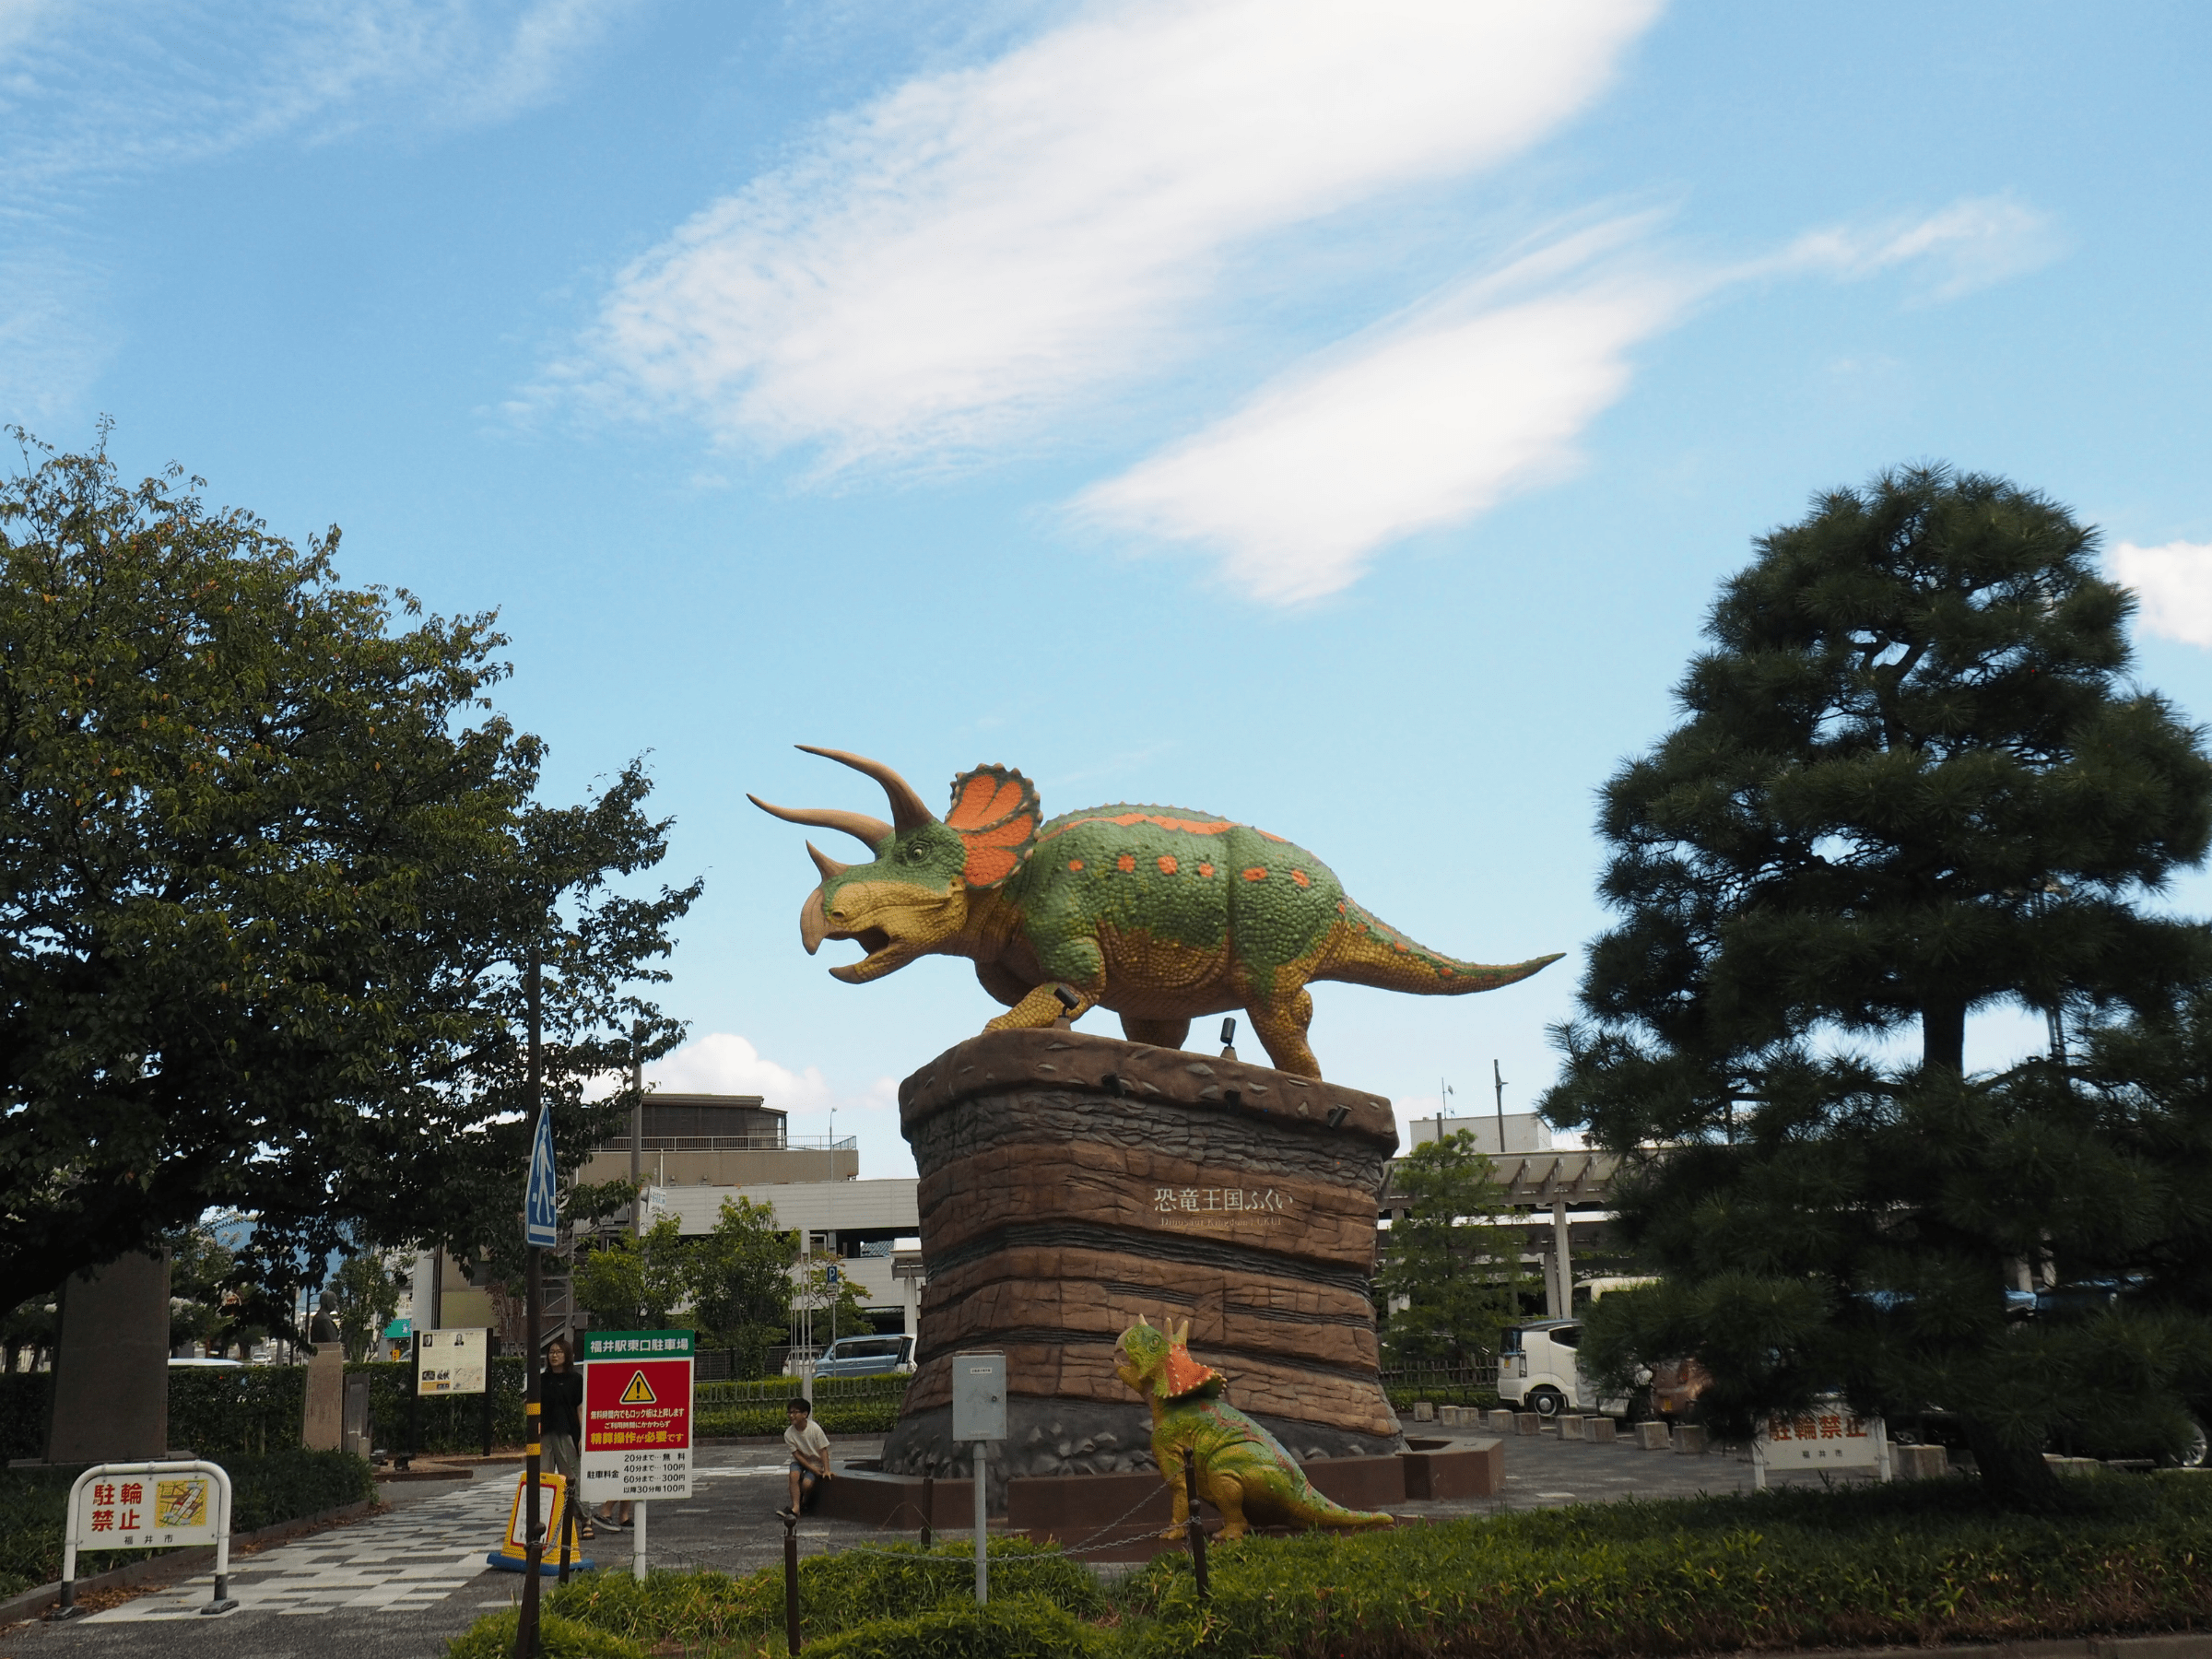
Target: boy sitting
809, 1456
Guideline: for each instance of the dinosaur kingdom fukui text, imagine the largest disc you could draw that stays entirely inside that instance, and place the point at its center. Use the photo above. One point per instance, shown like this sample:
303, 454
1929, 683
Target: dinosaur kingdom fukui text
1160, 913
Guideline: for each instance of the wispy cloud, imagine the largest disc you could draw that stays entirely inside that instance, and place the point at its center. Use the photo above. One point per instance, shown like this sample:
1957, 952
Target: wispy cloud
1428, 420
980, 247
2174, 583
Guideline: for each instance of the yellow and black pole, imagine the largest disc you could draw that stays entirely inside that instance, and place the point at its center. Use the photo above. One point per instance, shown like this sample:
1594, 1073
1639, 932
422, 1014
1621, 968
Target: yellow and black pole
533, 1531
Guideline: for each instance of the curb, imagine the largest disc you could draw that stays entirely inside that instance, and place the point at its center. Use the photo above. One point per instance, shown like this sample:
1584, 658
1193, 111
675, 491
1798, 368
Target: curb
2169, 1644
175, 1563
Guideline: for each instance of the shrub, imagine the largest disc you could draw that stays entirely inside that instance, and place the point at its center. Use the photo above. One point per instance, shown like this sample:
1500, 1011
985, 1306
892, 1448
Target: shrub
559, 1638
836, 1416
1914, 1565
449, 1422
1017, 1627
24, 1399
218, 1410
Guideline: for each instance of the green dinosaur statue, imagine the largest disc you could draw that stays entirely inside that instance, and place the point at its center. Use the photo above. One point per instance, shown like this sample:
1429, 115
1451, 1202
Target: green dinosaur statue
1243, 1470
1160, 913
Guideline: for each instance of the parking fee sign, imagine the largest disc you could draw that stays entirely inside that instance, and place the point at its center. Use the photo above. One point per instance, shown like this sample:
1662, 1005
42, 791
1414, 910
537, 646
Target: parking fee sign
637, 1415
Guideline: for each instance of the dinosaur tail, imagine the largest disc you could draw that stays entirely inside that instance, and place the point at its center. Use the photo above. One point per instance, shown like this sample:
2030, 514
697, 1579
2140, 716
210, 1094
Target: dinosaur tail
1366, 951
1332, 1515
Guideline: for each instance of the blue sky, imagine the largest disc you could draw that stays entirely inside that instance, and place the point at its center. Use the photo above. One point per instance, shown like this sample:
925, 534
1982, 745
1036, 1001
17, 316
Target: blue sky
1334, 416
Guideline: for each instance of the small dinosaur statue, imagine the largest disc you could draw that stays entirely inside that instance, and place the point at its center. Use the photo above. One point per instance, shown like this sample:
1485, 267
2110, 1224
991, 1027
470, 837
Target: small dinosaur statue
1242, 1469
1157, 912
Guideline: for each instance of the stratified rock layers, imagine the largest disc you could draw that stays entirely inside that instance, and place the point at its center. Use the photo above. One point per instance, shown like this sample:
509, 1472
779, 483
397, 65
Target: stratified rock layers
1071, 1183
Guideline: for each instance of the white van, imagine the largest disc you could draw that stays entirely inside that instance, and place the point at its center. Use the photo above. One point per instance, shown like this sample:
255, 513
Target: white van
1539, 1370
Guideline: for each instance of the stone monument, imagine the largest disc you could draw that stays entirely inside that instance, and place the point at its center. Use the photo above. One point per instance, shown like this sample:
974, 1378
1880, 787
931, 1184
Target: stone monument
323, 1419
111, 1365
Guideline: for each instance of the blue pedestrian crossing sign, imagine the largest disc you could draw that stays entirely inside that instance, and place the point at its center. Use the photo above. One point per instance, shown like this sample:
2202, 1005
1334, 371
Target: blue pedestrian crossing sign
541, 1212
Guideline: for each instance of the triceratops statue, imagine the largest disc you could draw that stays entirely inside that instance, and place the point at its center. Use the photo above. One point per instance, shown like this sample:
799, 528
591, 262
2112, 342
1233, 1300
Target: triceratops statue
1160, 913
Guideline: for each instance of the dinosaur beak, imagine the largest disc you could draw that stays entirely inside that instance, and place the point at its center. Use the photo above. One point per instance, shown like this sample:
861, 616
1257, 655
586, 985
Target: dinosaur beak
814, 926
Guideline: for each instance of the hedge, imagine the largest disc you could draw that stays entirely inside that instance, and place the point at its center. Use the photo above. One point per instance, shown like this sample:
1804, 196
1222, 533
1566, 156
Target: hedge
284, 1485
1402, 1396
1914, 1564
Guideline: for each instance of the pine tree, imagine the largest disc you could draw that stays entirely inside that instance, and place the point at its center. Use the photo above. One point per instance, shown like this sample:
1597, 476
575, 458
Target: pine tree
1912, 782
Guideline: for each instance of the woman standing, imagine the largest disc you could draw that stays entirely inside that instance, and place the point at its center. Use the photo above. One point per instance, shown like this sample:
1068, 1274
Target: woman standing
560, 1426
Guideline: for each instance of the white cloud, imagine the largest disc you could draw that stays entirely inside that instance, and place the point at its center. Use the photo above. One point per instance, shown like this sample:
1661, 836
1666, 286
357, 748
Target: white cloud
1429, 420
983, 245
724, 1063
2174, 582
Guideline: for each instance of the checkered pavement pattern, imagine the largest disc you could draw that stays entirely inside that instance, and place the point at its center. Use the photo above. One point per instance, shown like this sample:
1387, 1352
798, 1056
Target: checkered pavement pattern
410, 1558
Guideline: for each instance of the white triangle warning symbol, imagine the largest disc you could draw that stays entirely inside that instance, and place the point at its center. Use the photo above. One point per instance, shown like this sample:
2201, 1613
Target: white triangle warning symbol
639, 1393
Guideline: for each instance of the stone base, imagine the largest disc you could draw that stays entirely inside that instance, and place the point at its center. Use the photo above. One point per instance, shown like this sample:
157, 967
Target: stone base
111, 1369
1055, 1438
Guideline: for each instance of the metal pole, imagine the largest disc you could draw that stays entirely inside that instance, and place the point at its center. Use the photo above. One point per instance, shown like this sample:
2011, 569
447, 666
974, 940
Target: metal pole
525, 1630
929, 1507
1498, 1077
637, 1553
982, 1535
1195, 1528
415, 1405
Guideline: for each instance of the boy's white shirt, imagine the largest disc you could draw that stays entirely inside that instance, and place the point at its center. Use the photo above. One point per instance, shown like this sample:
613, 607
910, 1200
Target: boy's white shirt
809, 1440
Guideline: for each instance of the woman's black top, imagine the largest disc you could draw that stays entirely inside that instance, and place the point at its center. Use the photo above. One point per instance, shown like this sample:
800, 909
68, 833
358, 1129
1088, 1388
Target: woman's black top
561, 1397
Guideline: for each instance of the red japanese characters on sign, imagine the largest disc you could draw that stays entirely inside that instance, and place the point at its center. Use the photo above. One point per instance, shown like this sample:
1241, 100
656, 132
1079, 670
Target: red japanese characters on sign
637, 1413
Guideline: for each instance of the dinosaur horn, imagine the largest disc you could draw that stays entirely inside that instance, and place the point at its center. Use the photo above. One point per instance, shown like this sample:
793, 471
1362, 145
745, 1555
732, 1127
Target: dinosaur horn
859, 825
907, 811
827, 866
1181, 1335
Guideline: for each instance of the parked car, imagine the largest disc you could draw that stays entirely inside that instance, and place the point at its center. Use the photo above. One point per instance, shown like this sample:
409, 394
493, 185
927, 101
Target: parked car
1539, 1370
865, 1357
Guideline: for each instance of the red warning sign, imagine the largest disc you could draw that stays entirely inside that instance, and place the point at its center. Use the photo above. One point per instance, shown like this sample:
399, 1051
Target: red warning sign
637, 1413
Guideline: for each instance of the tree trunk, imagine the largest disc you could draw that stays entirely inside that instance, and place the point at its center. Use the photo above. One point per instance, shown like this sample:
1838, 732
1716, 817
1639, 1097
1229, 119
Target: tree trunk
2017, 1479
1942, 1036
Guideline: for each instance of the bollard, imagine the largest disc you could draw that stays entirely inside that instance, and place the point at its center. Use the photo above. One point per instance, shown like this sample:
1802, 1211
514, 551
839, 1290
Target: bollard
1651, 1437
1501, 1422
1689, 1440
1600, 1429
982, 1535
1195, 1527
929, 1506
791, 1582
1449, 1414
1570, 1426
1528, 1422
1424, 1411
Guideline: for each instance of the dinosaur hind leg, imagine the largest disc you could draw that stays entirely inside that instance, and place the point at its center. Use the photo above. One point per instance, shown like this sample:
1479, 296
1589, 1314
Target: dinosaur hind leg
1159, 1033
1281, 1025
1226, 1492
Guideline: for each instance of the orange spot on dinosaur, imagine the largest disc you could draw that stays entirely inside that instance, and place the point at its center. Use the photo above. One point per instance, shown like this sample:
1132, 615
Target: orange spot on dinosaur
1399, 945
1125, 862
1130, 819
1167, 863
1074, 863
1207, 870
1300, 876
1255, 874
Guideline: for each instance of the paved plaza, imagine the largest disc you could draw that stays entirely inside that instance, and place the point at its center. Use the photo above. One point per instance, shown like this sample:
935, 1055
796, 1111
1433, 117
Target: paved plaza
401, 1582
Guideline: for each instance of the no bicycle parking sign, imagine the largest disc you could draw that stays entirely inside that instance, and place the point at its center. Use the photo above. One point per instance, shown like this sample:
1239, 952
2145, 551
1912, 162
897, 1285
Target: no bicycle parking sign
637, 1415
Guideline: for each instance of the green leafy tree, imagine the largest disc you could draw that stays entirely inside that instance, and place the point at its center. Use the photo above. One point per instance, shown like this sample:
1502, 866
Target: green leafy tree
368, 1289
271, 869
741, 1284
1452, 1277
203, 1306
637, 1284
1911, 781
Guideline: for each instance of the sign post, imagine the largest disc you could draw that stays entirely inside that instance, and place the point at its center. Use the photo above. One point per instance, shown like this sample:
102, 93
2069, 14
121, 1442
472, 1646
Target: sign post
1825, 1436
148, 1506
637, 1421
541, 1231
979, 1414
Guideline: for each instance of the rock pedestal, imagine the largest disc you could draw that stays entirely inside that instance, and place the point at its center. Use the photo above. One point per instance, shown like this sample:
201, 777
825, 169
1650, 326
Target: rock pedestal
322, 1416
1071, 1183
111, 1367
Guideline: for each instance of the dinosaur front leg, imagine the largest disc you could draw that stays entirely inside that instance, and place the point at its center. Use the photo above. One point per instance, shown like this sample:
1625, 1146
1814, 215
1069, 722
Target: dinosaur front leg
1075, 962
1281, 1024
1172, 1474
1040, 1007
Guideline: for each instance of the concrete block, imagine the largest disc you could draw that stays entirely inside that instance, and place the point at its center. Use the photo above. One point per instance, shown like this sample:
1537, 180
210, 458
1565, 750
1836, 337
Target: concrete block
1651, 1437
1501, 1422
323, 1419
1598, 1430
1919, 1463
1475, 1471
111, 1375
1689, 1440
1365, 1483
1424, 1411
1528, 1422
1570, 1426
1448, 1415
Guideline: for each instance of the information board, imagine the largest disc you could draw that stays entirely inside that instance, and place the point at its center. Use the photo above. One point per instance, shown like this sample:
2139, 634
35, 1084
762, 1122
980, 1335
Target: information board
1828, 1435
451, 1362
637, 1415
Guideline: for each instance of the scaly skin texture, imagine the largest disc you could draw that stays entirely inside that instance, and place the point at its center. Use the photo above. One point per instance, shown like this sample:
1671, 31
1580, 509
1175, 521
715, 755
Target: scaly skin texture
1242, 1469
1160, 913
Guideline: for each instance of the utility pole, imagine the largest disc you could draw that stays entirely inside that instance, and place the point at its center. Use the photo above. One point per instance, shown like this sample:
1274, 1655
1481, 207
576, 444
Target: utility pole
1498, 1077
637, 1129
